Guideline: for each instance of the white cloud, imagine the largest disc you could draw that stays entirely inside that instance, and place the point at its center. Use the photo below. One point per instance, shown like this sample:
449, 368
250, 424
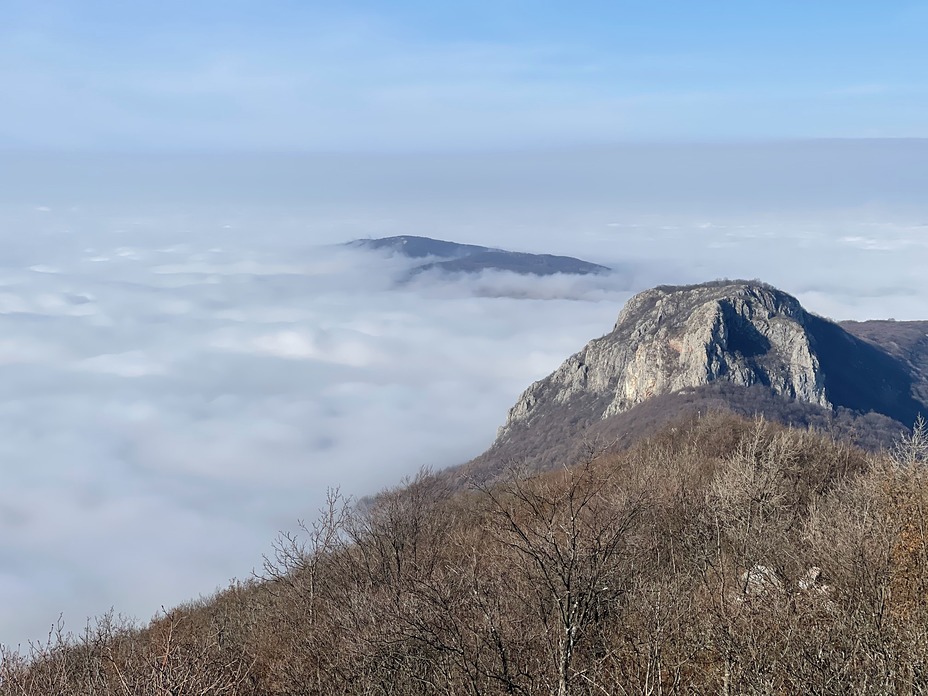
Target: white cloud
158, 428
133, 363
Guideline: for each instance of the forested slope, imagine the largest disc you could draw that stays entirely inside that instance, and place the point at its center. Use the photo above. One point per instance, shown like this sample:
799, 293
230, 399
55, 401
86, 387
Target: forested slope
722, 555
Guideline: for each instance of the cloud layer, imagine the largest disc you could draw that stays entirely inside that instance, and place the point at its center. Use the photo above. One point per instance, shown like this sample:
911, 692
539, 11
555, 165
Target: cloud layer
183, 375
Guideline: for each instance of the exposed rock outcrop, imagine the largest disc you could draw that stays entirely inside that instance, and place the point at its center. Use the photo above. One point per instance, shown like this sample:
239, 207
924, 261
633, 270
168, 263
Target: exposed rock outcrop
744, 333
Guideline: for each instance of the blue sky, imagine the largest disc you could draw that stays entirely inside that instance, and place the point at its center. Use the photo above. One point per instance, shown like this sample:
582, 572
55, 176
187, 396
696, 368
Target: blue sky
483, 74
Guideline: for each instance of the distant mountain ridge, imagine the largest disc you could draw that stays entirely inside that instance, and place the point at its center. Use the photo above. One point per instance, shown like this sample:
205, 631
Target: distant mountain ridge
456, 258
907, 341
738, 342
420, 247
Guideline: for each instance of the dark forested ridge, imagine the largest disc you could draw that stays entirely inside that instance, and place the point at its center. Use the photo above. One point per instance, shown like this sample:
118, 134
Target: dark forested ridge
416, 247
721, 555
905, 340
452, 257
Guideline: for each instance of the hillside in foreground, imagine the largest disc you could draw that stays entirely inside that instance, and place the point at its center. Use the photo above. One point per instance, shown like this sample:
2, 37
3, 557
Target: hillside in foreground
722, 555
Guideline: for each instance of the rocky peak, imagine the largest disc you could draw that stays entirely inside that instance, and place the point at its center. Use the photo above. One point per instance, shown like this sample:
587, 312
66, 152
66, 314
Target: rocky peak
672, 338
676, 303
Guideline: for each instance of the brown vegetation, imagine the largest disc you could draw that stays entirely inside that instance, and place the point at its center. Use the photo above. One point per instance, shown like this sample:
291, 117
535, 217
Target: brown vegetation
564, 431
721, 555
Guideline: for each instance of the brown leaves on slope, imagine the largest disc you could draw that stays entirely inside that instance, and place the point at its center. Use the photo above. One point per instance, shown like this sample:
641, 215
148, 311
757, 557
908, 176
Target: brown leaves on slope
720, 556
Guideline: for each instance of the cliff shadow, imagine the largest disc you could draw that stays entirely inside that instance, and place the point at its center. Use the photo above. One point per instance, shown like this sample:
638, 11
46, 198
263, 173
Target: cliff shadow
861, 377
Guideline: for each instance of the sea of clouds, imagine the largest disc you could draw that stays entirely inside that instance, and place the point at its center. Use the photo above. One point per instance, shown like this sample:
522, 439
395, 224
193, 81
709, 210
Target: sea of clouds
188, 358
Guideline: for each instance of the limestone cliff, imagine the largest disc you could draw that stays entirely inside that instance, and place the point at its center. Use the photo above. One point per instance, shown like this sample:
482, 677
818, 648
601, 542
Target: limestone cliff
743, 333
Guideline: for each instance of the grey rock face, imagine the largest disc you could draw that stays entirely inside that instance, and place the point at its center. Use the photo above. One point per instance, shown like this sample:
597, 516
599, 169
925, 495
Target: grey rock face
672, 338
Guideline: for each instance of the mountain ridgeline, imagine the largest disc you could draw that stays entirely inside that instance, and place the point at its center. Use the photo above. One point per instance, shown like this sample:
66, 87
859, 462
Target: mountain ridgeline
444, 257
738, 344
